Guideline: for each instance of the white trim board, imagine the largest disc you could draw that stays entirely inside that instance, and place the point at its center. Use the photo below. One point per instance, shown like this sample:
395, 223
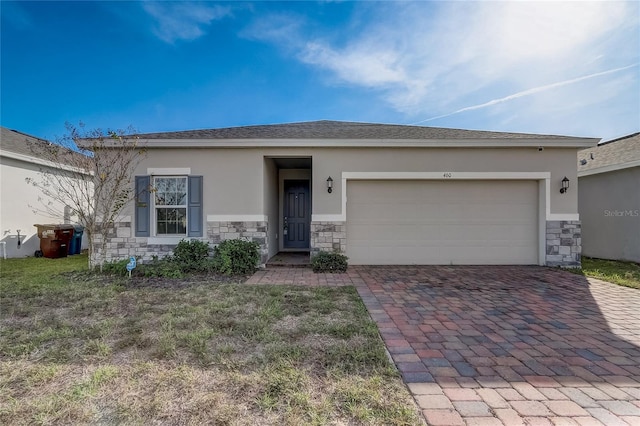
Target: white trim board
171, 240
168, 171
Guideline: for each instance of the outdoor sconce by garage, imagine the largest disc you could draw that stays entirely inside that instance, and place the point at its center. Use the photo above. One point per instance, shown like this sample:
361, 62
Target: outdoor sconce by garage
565, 185
329, 185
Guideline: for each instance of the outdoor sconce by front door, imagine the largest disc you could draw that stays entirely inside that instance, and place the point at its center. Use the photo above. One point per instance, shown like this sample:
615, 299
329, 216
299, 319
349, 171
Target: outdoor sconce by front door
329, 185
565, 185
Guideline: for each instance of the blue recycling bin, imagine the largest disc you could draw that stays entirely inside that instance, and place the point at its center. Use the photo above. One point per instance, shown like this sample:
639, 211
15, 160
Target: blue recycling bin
75, 245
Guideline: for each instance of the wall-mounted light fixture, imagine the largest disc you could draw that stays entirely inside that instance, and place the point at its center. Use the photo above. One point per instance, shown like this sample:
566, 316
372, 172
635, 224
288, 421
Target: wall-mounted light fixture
565, 185
329, 185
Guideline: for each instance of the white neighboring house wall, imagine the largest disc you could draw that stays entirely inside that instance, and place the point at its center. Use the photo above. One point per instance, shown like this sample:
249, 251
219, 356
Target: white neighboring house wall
20, 207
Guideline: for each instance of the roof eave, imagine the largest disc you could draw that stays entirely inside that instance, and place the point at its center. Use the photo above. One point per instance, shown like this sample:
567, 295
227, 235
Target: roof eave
609, 168
577, 143
42, 162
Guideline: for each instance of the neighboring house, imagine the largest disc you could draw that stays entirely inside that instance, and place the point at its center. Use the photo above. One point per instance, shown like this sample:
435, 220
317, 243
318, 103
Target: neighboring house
609, 199
21, 204
382, 194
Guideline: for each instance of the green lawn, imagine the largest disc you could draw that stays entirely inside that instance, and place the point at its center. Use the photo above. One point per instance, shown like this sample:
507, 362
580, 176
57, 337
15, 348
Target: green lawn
622, 273
81, 348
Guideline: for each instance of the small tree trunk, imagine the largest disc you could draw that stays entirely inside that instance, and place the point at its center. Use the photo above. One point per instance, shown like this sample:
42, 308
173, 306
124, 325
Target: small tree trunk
92, 250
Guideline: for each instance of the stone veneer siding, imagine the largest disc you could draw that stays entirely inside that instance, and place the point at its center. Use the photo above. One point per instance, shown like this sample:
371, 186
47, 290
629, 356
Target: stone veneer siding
564, 243
249, 231
121, 243
563, 240
328, 236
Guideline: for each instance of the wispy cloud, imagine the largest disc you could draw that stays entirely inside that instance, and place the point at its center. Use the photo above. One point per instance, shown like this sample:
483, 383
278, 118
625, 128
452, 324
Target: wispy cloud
428, 58
528, 93
183, 20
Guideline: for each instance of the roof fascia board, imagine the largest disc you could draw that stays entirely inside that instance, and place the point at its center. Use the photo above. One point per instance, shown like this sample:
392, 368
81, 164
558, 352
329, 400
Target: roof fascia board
41, 162
370, 143
609, 168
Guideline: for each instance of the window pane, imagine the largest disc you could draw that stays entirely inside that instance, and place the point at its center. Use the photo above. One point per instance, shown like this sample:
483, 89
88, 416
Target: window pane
171, 228
171, 191
162, 227
160, 184
181, 185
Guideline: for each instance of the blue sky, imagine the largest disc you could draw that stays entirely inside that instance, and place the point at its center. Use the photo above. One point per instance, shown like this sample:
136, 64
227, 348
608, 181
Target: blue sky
542, 67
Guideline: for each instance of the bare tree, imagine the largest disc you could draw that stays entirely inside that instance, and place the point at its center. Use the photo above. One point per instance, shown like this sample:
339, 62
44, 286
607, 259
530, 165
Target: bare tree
91, 171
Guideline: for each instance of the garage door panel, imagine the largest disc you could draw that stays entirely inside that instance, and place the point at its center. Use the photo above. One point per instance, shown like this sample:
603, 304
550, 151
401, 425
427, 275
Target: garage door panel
442, 222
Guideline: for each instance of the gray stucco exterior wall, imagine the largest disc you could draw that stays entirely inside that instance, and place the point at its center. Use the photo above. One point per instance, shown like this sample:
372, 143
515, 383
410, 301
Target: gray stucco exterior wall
609, 207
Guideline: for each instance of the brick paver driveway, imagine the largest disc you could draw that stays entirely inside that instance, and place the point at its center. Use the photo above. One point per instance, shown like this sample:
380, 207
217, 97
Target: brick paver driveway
509, 345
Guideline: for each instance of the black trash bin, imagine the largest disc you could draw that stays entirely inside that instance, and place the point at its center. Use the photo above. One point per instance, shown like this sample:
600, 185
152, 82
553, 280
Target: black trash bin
75, 246
54, 240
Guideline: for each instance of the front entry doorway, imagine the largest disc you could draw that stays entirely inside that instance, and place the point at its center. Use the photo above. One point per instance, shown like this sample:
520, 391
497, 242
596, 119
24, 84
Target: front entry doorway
296, 214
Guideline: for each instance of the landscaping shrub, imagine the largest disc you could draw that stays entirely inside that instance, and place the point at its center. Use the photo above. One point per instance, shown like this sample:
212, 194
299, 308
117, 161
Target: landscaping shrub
167, 267
115, 267
231, 257
192, 256
236, 257
329, 262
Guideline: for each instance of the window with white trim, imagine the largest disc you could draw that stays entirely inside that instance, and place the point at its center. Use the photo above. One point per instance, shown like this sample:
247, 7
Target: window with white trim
170, 205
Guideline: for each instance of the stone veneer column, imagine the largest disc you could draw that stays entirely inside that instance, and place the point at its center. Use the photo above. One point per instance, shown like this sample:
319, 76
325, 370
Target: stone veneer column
249, 231
564, 243
328, 236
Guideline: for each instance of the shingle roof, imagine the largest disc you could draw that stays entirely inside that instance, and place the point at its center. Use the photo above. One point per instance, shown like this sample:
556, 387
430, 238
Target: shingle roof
618, 151
326, 129
17, 142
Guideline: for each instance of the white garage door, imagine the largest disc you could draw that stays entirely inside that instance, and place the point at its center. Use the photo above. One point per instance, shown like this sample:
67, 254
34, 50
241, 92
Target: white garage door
442, 222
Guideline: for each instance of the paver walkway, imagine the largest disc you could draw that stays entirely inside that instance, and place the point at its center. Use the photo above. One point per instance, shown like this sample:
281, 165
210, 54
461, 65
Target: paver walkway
504, 345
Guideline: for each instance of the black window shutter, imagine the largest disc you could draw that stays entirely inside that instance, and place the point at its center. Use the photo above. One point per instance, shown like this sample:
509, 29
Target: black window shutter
195, 206
142, 206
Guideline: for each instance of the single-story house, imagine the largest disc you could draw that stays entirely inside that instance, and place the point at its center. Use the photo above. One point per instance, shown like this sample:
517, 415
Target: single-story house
22, 205
380, 193
609, 199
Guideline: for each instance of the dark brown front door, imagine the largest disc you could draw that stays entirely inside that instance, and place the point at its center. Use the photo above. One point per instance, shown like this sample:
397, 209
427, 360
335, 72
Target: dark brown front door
297, 215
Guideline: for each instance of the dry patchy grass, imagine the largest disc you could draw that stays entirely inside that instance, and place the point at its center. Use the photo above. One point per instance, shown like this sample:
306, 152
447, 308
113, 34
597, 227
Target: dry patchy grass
77, 349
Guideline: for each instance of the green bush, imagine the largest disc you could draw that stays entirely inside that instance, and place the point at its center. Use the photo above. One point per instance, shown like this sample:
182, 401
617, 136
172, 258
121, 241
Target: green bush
192, 256
166, 267
231, 257
236, 257
329, 262
115, 267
